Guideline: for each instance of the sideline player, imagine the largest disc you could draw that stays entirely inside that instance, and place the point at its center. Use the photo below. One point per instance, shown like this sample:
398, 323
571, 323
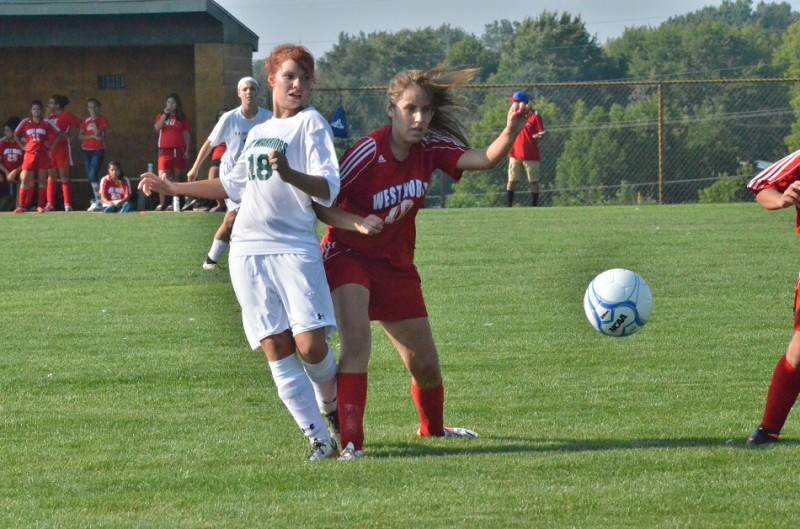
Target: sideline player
173, 143
288, 164
778, 187
35, 135
231, 129
61, 151
385, 177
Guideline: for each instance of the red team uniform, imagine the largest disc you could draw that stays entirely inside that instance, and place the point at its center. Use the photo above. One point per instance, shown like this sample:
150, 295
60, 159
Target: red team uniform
785, 385
374, 182
37, 138
61, 153
217, 152
10, 154
171, 143
91, 127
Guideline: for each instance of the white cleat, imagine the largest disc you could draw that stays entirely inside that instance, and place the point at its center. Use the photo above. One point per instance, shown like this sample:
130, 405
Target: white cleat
323, 450
350, 453
454, 433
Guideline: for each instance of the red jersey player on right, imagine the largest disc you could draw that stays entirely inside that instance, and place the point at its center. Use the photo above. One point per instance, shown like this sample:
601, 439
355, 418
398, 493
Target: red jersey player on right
385, 178
778, 187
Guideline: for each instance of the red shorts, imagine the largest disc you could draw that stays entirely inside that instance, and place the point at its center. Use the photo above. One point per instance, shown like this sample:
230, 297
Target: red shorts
171, 158
35, 161
61, 158
394, 293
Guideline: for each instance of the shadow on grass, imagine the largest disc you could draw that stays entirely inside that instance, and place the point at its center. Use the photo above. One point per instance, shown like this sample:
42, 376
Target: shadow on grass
506, 445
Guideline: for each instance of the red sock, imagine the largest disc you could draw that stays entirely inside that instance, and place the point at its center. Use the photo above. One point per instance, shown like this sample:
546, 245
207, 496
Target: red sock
66, 190
25, 197
52, 192
351, 401
782, 394
42, 201
430, 406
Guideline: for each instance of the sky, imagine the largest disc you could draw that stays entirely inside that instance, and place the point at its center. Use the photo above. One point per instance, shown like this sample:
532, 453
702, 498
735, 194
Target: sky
316, 24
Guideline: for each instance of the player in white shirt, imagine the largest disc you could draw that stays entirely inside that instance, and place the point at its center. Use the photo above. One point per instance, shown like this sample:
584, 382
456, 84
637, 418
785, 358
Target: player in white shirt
231, 129
288, 164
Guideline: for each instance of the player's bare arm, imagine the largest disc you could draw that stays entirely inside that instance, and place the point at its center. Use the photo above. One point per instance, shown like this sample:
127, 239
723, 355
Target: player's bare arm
483, 159
771, 198
338, 218
313, 185
209, 189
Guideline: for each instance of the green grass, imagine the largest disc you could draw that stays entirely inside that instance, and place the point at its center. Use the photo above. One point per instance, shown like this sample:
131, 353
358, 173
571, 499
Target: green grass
129, 398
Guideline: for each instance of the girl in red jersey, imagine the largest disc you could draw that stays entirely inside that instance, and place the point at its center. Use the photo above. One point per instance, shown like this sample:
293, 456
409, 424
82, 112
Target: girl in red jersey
93, 146
61, 151
35, 135
778, 187
385, 178
173, 143
115, 190
11, 154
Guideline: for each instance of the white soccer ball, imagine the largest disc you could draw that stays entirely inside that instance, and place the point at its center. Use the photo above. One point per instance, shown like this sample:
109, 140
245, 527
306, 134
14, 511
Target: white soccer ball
618, 302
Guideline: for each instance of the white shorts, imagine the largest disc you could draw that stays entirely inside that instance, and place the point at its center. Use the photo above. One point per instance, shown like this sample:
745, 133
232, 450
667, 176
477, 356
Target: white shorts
280, 292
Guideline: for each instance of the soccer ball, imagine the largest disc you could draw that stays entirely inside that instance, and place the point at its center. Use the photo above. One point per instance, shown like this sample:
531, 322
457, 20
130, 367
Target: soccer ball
618, 302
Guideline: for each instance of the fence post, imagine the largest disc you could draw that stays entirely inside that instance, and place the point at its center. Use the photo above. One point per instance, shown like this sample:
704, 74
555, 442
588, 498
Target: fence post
660, 143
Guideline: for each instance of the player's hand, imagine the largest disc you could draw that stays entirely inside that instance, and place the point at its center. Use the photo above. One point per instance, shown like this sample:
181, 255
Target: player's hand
371, 225
517, 117
791, 197
279, 164
151, 183
192, 174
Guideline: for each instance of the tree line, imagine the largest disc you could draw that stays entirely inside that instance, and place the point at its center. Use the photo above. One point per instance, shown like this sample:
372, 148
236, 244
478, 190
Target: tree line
596, 146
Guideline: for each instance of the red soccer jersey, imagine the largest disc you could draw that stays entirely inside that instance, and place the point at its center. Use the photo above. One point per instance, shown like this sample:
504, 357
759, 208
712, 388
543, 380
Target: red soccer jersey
526, 147
10, 154
90, 128
171, 134
374, 182
115, 189
36, 135
64, 121
779, 175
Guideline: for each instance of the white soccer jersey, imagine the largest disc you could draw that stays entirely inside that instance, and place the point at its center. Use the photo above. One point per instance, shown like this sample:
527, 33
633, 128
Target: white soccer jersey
276, 217
232, 129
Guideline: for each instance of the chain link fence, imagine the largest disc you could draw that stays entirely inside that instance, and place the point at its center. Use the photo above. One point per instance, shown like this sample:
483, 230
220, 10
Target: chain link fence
659, 142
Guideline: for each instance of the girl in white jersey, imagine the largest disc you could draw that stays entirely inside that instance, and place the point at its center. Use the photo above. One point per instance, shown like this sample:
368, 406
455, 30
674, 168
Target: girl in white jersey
232, 129
288, 163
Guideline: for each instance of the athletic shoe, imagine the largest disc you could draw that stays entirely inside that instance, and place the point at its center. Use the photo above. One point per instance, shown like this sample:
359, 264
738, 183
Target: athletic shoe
189, 204
49, 208
350, 453
96, 206
20, 210
332, 419
323, 450
216, 209
210, 265
160, 208
762, 437
454, 433
40, 209
67, 208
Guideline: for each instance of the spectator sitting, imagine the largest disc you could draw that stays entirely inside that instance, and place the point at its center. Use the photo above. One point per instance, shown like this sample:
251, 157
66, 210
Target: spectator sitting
115, 190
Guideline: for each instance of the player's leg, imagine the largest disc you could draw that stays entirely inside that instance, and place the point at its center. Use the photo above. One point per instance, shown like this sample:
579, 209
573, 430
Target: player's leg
784, 387
51, 195
351, 302
27, 182
222, 237
515, 171
532, 170
44, 181
66, 184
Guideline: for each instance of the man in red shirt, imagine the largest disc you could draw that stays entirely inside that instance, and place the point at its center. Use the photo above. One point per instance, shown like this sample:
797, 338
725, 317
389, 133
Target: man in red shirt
523, 160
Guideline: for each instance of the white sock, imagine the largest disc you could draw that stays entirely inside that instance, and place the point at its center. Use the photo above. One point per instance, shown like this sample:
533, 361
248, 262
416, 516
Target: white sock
323, 378
217, 250
297, 394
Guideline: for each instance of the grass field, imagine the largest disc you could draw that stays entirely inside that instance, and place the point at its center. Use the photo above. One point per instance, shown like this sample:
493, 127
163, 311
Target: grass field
128, 396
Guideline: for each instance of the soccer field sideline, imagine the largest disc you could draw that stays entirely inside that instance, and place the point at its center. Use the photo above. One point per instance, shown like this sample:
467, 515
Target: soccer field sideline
128, 397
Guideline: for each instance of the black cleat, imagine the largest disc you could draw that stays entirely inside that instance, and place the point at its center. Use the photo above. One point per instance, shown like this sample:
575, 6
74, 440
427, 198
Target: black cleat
762, 437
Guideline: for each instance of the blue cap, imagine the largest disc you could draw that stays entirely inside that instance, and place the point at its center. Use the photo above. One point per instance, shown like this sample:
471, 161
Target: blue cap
520, 96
